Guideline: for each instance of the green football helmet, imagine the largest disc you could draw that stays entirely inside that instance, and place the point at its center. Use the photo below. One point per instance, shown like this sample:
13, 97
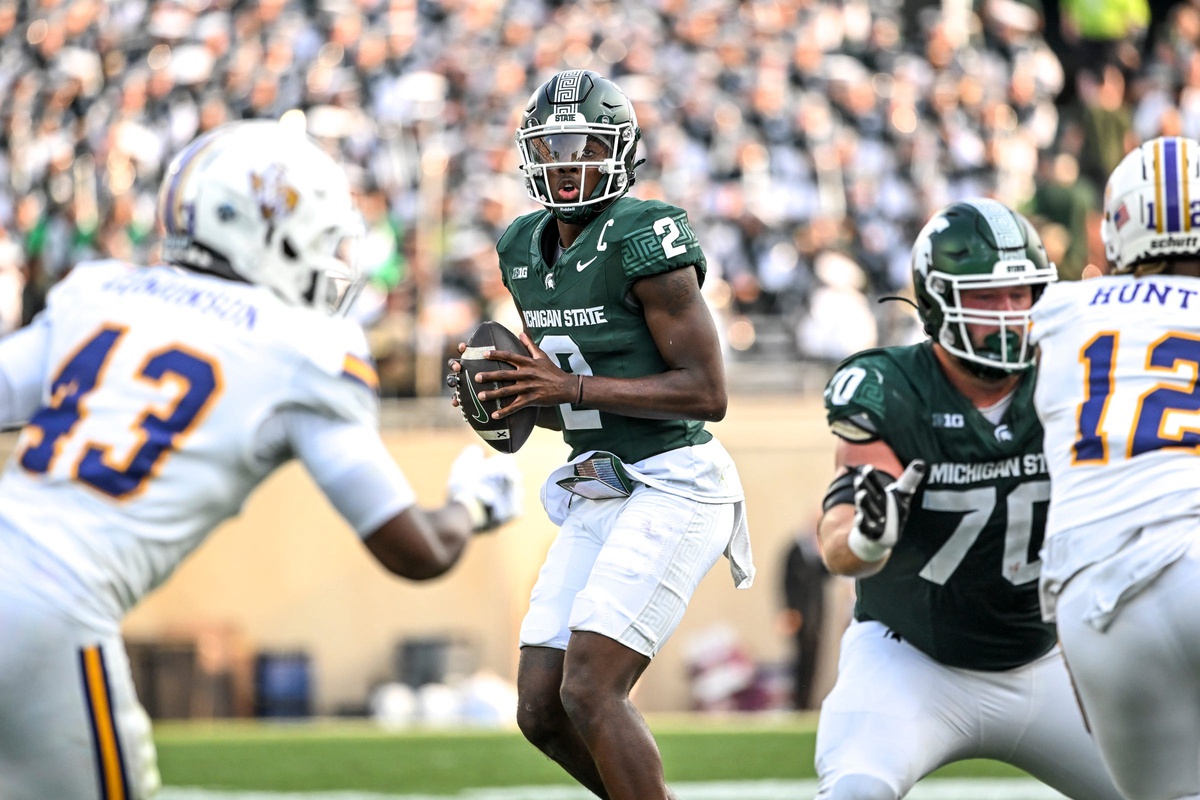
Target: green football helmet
578, 120
979, 244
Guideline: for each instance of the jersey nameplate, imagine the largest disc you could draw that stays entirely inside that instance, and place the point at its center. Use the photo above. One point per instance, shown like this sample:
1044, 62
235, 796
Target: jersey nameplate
564, 317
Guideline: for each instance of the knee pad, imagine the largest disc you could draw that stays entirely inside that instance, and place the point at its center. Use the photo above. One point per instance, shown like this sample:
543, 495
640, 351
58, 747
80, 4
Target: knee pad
862, 787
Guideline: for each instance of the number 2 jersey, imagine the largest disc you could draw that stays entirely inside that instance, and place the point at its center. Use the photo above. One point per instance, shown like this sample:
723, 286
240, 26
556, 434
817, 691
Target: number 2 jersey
581, 311
157, 399
961, 583
1117, 392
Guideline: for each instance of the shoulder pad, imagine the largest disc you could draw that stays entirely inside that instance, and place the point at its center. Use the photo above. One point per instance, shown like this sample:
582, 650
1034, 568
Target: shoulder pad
855, 400
87, 276
350, 391
518, 232
655, 237
858, 381
857, 428
1057, 304
330, 351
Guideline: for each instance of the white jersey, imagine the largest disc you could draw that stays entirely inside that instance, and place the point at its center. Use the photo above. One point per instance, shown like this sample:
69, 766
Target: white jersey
1117, 396
157, 399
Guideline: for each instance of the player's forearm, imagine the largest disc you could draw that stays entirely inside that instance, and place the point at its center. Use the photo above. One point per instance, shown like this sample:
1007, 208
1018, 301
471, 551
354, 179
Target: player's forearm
421, 544
674, 394
834, 531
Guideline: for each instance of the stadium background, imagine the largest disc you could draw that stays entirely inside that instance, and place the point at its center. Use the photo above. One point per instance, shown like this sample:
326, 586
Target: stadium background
808, 139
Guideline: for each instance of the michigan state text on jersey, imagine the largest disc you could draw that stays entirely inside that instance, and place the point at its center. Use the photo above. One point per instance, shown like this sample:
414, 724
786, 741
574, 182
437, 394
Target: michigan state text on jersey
580, 311
938, 508
961, 583
625, 361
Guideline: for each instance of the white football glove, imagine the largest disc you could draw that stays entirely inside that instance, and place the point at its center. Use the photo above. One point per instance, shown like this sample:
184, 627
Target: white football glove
490, 488
881, 509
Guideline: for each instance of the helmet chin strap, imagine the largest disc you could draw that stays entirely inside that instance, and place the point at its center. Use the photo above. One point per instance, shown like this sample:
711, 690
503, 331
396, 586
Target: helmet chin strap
983, 371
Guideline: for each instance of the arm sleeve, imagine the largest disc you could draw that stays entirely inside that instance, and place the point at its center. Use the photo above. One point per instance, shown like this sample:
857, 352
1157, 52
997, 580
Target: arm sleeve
23, 368
350, 463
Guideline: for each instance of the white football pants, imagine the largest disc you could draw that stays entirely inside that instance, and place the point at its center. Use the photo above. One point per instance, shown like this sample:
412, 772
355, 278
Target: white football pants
1139, 680
71, 727
895, 715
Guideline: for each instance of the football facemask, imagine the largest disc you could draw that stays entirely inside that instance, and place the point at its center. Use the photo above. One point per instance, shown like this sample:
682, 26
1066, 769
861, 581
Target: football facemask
973, 245
578, 140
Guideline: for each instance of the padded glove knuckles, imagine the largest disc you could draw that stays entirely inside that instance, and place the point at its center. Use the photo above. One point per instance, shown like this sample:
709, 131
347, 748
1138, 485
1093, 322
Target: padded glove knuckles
881, 505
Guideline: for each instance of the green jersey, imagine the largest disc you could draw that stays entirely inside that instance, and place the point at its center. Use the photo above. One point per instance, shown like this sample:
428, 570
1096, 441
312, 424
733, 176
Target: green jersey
961, 583
581, 311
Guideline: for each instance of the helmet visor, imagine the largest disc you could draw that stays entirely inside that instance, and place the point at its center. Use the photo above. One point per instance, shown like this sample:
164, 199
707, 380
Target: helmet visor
567, 148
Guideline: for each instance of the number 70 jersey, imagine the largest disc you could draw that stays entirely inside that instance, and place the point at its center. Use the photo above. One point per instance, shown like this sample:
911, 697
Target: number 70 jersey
1118, 394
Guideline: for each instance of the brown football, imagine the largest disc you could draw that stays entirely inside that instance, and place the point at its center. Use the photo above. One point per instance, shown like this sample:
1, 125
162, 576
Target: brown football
507, 434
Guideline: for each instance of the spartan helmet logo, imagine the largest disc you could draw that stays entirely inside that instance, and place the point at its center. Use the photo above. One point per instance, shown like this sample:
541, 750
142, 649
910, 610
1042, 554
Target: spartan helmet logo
550, 281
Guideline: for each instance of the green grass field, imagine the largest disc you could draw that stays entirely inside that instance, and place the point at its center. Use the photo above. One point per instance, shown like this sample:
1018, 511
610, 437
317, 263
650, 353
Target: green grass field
340, 756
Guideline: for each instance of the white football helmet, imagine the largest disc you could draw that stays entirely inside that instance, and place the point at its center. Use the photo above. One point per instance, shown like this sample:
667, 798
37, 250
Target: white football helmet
1152, 204
260, 202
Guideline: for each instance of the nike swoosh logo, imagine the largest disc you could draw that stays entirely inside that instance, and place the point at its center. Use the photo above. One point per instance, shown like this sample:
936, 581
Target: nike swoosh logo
480, 415
580, 266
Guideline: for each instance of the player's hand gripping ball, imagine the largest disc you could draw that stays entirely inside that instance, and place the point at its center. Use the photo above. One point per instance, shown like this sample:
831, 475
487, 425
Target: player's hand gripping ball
506, 434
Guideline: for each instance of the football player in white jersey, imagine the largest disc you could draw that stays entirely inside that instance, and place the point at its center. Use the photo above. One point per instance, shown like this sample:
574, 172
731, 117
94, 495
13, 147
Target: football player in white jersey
1117, 394
156, 399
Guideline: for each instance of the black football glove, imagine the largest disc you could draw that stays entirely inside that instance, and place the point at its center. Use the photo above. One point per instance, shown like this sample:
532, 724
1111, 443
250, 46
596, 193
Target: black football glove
881, 506
454, 380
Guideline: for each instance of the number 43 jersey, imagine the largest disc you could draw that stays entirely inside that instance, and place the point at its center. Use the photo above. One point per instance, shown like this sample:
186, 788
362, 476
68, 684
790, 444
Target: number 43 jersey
961, 584
580, 310
1117, 393
147, 393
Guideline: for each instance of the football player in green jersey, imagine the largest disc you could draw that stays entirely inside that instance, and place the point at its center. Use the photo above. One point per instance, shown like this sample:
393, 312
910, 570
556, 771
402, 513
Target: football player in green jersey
626, 363
938, 509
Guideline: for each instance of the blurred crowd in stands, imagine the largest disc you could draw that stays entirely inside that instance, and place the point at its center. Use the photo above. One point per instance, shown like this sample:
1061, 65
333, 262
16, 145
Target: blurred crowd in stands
808, 139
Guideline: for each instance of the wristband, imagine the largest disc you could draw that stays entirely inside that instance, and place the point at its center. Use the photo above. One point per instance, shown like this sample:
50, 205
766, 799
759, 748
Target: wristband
866, 549
475, 509
579, 394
